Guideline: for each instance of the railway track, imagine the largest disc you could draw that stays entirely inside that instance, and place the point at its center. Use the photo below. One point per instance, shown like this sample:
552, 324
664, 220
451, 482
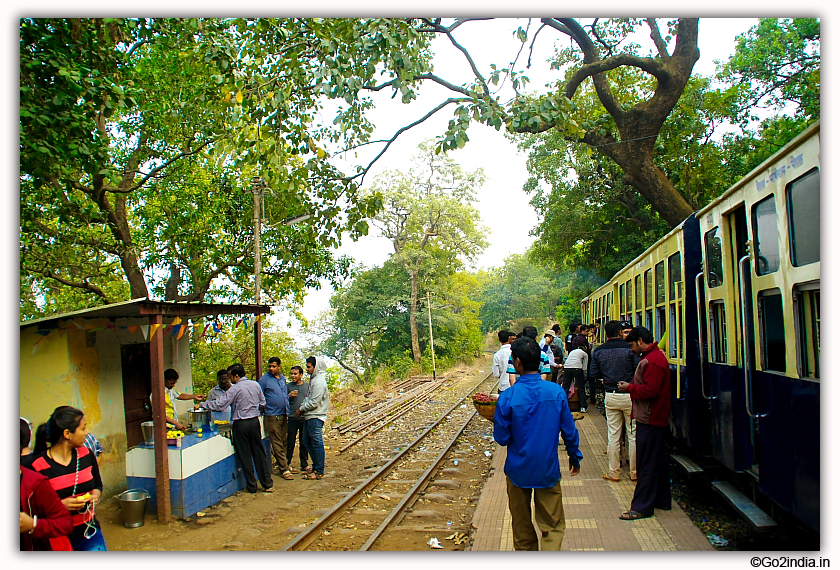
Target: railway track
381, 502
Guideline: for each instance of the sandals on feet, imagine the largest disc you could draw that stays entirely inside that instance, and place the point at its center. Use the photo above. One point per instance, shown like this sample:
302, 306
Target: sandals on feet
608, 478
288, 476
633, 516
312, 476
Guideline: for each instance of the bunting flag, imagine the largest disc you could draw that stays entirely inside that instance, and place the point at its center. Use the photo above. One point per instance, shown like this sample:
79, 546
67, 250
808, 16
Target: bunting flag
204, 332
145, 330
97, 329
43, 332
175, 329
111, 325
216, 327
182, 331
154, 329
132, 329
246, 321
239, 322
78, 325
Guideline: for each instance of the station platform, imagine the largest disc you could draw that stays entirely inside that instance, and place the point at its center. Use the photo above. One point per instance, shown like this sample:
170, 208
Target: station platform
591, 504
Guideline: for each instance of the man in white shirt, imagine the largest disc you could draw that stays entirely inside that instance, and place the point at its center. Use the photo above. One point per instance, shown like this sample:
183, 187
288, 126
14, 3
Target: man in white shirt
500, 361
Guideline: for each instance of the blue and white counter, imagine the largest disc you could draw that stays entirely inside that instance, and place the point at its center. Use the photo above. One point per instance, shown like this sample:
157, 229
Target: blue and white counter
202, 472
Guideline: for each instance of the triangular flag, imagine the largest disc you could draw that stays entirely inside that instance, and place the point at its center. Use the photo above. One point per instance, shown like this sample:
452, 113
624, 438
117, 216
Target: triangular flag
132, 329
216, 327
246, 321
204, 332
183, 330
110, 325
176, 329
154, 329
145, 330
44, 332
239, 322
176, 321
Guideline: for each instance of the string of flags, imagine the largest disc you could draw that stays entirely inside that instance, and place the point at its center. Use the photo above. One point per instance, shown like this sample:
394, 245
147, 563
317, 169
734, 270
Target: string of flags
176, 328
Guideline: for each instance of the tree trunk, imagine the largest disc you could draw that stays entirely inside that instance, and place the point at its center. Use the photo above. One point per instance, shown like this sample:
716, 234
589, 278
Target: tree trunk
412, 316
641, 173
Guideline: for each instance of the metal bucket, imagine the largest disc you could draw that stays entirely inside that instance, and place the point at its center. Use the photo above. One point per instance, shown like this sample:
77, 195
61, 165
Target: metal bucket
133, 506
148, 432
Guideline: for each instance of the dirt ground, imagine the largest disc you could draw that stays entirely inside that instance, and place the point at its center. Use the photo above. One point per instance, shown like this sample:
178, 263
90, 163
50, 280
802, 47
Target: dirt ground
263, 521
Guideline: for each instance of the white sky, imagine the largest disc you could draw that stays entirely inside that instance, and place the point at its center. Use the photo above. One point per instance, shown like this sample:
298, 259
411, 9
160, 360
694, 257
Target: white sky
502, 203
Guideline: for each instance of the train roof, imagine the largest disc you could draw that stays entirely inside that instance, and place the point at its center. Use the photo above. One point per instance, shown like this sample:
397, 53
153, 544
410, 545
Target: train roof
763, 166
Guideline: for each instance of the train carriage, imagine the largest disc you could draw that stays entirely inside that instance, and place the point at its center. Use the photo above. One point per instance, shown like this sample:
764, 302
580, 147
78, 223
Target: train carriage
752, 406
761, 249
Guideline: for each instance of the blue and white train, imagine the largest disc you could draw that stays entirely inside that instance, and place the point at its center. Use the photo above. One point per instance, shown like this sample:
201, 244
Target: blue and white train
735, 292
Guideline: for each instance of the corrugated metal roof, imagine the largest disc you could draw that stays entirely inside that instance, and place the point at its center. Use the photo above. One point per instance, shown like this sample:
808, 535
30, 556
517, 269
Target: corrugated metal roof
144, 307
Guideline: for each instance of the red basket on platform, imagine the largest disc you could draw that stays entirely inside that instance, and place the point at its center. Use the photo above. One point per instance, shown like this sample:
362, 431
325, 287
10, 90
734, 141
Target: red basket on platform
485, 404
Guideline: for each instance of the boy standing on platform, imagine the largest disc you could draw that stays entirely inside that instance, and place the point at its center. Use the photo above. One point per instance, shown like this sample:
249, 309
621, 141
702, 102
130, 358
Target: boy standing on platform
529, 417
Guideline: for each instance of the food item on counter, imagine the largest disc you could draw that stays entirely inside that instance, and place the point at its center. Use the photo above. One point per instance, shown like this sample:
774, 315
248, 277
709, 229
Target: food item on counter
221, 422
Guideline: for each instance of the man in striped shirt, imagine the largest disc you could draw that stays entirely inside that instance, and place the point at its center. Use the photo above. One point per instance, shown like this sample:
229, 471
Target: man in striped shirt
545, 364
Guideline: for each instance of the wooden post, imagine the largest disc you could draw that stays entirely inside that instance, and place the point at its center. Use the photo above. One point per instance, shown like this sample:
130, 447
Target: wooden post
164, 500
258, 355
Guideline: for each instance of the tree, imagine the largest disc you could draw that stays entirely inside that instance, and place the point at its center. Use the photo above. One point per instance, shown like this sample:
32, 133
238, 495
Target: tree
124, 122
429, 217
218, 350
632, 116
520, 289
777, 62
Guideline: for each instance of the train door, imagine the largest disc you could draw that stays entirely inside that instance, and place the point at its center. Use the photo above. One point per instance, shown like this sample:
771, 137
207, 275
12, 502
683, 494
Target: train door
741, 270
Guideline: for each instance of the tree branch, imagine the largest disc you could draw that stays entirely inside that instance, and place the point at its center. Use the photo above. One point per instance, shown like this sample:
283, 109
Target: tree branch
661, 46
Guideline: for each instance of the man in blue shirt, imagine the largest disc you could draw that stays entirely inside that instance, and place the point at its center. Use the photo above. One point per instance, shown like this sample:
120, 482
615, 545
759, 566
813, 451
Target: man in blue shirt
529, 417
276, 420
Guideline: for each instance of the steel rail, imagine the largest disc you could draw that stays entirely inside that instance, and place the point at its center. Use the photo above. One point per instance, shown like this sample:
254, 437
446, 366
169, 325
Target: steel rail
387, 421
414, 492
371, 416
311, 533
399, 407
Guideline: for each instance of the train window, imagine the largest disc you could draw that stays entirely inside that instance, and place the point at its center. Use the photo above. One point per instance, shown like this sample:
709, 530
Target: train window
660, 324
772, 322
639, 292
766, 232
649, 320
621, 305
714, 258
648, 289
674, 275
639, 319
675, 309
807, 309
660, 282
629, 285
803, 201
717, 322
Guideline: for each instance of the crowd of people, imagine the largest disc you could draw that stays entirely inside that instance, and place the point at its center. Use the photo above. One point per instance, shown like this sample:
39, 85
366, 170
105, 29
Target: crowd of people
626, 377
60, 483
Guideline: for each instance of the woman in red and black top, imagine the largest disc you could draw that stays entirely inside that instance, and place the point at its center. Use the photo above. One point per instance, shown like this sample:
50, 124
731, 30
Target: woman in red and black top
73, 473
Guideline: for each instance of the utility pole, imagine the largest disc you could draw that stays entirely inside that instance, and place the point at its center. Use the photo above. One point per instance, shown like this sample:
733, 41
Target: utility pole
431, 336
257, 187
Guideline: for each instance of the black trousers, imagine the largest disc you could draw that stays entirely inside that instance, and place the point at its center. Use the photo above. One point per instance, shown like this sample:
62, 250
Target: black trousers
653, 486
295, 432
579, 377
249, 448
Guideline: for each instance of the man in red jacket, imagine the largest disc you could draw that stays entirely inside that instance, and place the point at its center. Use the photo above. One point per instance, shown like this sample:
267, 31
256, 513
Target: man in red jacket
650, 392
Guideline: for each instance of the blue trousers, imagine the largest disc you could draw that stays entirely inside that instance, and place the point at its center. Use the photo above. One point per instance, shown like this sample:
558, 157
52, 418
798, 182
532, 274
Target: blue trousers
96, 542
314, 436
